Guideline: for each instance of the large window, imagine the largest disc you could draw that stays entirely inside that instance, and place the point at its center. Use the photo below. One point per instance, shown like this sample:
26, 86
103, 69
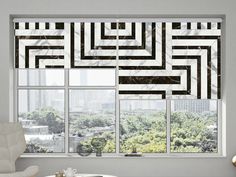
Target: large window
61, 108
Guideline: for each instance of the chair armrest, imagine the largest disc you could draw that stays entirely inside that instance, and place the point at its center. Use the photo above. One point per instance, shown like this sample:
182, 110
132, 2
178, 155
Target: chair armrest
28, 172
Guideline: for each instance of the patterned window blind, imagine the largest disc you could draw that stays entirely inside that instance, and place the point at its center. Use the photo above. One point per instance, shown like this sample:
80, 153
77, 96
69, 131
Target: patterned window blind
155, 58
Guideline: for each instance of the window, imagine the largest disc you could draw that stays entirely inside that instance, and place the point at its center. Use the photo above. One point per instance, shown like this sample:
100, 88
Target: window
91, 109
41, 110
143, 126
194, 126
147, 85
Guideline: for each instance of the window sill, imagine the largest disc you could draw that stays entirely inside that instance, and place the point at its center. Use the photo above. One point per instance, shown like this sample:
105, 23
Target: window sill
121, 156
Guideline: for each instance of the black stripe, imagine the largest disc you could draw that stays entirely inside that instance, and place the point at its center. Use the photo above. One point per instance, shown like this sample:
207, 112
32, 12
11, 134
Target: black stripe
46, 57
163, 46
188, 91
208, 25
82, 40
219, 67
36, 25
94, 67
121, 25
40, 37
16, 25
154, 40
149, 79
54, 66
218, 25
59, 25
195, 37
16, 52
83, 57
103, 36
198, 58
208, 48
209, 73
140, 67
155, 92
188, 25
176, 25
143, 45
113, 25
92, 35
46, 25
199, 25
27, 48
152, 57
72, 45
26, 25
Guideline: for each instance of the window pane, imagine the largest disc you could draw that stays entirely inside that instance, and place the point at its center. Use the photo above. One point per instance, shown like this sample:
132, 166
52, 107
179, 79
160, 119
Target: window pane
194, 126
92, 114
41, 113
143, 126
41, 77
92, 77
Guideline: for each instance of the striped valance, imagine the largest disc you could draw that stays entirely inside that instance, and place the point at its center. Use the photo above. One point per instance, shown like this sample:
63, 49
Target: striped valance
157, 58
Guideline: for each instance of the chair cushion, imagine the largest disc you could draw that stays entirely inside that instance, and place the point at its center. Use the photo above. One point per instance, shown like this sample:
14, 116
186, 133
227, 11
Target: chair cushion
12, 145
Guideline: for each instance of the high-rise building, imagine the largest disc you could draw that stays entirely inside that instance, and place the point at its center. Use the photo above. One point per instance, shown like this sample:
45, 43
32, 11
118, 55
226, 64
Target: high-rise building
197, 106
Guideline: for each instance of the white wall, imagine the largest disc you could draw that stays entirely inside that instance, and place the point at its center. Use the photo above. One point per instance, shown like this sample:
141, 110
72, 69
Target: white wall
152, 167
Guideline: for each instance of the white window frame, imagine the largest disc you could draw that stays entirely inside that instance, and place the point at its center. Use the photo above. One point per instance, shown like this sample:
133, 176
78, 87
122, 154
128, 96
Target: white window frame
117, 154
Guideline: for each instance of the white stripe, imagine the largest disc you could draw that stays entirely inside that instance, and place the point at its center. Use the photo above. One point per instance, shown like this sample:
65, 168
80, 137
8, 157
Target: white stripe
39, 32
134, 53
192, 42
194, 25
122, 19
158, 44
21, 26
202, 32
52, 26
148, 73
43, 63
49, 52
139, 96
31, 26
77, 44
139, 63
213, 25
67, 45
183, 27
95, 62
150, 87
214, 67
41, 25
193, 64
168, 46
41, 42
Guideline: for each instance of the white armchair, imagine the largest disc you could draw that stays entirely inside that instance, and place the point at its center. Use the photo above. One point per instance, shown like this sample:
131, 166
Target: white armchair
12, 145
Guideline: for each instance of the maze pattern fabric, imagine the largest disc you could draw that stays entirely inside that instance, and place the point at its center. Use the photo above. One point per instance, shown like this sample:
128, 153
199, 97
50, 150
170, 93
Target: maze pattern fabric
155, 60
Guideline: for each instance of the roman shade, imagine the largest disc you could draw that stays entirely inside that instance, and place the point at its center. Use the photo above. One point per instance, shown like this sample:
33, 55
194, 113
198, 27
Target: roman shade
155, 58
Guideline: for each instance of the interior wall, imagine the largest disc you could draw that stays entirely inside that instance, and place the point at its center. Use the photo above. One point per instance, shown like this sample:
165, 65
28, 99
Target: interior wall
127, 167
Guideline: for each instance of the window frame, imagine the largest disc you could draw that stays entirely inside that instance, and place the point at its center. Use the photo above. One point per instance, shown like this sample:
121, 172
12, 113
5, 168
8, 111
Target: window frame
117, 154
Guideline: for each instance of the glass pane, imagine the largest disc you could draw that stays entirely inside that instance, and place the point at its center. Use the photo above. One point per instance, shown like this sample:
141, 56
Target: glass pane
41, 77
41, 113
143, 126
92, 114
194, 126
92, 77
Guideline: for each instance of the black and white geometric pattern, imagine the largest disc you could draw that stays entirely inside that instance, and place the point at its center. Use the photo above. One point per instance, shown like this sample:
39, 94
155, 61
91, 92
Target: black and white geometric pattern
156, 60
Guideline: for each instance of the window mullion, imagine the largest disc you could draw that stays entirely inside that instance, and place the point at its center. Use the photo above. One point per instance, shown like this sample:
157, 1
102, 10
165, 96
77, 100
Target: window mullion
66, 106
168, 129
117, 116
